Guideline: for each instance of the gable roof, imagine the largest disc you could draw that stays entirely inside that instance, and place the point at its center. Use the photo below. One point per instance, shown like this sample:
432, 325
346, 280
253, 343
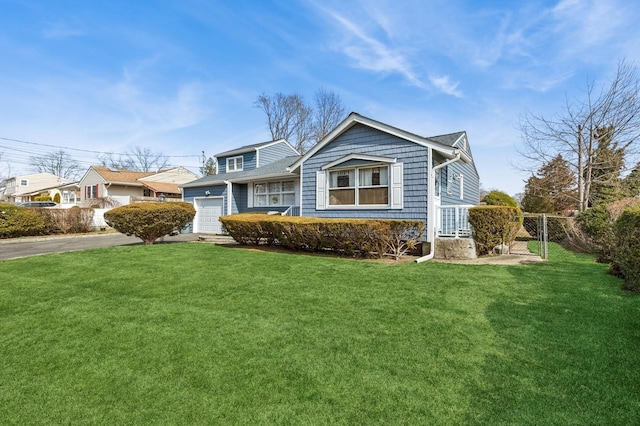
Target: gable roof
278, 168
255, 147
447, 151
450, 139
120, 176
164, 187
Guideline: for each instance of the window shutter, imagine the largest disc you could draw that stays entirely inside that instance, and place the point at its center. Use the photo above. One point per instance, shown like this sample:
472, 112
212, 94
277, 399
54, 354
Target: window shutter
249, 195
396, 186
321, 190
96, 192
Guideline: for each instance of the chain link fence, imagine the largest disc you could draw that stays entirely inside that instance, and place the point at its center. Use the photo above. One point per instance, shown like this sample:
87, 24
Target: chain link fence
537, 230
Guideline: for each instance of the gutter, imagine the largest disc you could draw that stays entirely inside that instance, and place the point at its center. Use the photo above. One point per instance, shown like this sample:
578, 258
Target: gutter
229, 195
432, 205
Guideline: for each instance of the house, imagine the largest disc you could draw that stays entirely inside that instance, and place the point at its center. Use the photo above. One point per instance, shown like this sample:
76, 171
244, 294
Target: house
361, 169
125, 186
24, 188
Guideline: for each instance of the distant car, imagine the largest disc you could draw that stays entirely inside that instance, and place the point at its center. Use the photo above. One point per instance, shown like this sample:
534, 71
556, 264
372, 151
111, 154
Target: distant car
39, 204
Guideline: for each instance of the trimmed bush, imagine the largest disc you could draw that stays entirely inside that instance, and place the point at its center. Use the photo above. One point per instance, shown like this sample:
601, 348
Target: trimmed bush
499, 198
150, 220
346, 237
493, 226
627, 254
68, 221
16, 221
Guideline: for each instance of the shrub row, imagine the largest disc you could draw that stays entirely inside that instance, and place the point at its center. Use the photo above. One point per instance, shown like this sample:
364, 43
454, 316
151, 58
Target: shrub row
16, 221
150, 220
493, 226
627, 255
347, 237
598, 223
66, 221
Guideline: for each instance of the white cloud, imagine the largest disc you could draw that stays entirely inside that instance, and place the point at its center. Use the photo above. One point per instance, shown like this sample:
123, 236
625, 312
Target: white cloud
445, 85
371, 54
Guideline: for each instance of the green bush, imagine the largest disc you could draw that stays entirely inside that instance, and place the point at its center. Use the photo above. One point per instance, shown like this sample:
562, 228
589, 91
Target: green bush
493, 226
499, 198
56, 198
627, 254
598, 223
347, 237
68, 221
16, 221
150, 220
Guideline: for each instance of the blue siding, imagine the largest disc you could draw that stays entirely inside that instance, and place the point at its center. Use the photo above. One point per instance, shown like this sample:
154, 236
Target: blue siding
471, 185
248, 161
239, 203
274, 153
365, 140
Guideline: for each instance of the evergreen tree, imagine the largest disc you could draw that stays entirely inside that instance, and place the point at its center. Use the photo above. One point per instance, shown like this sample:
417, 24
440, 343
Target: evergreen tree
631, 183
606, 167
553, 190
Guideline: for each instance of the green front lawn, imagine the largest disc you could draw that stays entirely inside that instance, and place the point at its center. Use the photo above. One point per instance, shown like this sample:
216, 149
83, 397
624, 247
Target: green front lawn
200, 334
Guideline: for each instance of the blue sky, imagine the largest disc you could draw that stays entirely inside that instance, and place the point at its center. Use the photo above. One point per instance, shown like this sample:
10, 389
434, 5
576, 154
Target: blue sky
181, 77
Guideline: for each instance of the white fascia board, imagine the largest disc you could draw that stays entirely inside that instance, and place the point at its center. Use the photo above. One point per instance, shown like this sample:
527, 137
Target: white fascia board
355, 118
355, 156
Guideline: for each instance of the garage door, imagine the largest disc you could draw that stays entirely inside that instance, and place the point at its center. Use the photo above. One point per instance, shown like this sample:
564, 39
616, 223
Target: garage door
208, 210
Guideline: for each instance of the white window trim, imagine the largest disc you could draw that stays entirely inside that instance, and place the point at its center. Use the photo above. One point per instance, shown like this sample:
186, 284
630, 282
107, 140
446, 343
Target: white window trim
235, 164
26, 182
357, 187
253, 194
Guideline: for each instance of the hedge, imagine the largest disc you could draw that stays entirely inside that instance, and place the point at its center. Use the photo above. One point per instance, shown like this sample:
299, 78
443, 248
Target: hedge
16, 221
347, 237
72, 220
493, 226
627, 254
150, 220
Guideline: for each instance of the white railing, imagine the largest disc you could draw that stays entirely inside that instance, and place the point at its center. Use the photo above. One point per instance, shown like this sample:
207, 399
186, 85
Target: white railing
292, 211
453, 221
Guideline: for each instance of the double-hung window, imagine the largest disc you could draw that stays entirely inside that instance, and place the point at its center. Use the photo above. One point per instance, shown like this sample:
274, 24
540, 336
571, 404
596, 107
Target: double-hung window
359, 186
274, 194
234, 164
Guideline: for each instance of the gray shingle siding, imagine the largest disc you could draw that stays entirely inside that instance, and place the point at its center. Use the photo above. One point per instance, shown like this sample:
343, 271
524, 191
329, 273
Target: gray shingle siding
248, 161
274, 153
365, 140
471, 185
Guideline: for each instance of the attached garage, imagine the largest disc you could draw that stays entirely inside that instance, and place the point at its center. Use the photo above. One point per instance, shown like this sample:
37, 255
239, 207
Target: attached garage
208, 211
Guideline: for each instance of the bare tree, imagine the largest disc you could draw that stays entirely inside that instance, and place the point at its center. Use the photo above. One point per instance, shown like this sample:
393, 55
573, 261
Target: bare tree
117, 162
141, 159
575, 132
290, 117
209, 166
328, 114
146, 160
58, 163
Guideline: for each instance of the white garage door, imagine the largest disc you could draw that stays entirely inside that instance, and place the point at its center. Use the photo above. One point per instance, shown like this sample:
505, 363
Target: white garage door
208, 211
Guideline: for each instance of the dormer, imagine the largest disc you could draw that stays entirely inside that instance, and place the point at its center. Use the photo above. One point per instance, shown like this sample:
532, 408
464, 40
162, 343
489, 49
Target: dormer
254, 156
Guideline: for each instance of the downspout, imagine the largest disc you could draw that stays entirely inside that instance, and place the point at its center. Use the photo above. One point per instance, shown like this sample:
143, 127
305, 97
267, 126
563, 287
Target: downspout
229, 195
432, 206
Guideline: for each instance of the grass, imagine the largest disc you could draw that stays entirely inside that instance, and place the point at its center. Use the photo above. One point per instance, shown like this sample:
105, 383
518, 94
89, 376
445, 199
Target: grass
200, 334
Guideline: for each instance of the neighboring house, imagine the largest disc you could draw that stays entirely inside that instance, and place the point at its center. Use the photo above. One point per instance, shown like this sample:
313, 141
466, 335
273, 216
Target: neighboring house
125, 186
24, 188
362, 169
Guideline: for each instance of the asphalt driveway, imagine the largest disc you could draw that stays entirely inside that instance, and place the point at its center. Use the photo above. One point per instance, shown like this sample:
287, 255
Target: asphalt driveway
33, 246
